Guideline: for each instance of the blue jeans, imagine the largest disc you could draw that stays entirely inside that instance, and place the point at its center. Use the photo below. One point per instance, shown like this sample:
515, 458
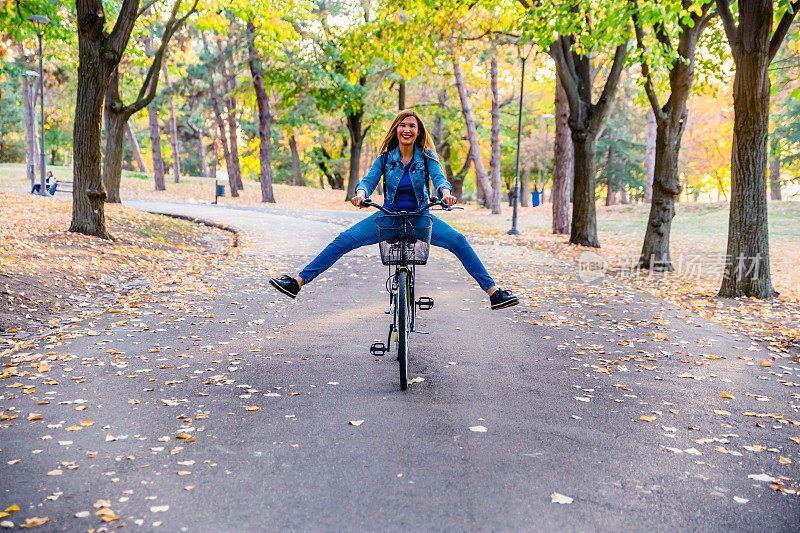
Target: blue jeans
366, 232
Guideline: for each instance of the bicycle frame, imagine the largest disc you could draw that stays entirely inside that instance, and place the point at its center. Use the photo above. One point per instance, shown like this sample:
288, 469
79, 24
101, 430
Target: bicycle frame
401, 284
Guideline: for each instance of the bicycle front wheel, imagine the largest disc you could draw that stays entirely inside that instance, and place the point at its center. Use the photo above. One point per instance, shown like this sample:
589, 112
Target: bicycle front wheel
402, 316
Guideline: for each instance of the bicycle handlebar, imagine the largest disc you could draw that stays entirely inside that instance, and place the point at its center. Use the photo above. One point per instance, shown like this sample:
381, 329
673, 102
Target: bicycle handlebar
433, 201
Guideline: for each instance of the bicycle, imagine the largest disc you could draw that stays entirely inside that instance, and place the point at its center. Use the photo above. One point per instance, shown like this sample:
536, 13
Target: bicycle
405, 243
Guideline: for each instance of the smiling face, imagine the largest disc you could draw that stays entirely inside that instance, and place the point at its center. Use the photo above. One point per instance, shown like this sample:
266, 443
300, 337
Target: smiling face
407, 131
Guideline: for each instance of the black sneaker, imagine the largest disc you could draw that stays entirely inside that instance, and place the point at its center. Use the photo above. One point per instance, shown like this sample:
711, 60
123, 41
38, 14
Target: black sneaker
286, 284
501, 299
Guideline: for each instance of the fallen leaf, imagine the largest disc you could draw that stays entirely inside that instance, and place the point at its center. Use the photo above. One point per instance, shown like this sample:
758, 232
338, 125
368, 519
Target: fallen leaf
763, 477
478, 429
34, 522
356, 422
560, 498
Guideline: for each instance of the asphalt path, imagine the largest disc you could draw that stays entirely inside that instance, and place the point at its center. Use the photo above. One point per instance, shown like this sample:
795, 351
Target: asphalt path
592, 394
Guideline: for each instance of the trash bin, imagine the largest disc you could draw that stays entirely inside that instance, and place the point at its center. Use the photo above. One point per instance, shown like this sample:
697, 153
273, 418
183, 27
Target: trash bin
536, 197
220, 190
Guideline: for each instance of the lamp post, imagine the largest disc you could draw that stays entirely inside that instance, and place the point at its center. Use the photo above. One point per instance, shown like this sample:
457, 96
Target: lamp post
514, 230
543, 169
31, 119
39, 22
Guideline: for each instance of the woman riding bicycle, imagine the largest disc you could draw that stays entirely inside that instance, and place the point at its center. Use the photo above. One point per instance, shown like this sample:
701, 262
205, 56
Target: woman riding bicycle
408, 159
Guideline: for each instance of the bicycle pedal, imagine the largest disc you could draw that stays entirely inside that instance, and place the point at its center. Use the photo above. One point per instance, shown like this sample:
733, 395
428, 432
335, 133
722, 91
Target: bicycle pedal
378, 348
424, 303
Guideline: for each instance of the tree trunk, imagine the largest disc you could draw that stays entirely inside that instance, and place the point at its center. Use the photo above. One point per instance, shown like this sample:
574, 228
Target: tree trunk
155, 133
494, 162
670, 121
472, 134
611, 185
115, 140
173, 130
134, 144
297, 173
401, 95
584, 217
155, 144
747, 272
526, 185
585, 121
264, 118
223, 138
229, 84
356, 141
562, 164
98, 56
666, 189
775, 178
650, 155
201, 144
623, 193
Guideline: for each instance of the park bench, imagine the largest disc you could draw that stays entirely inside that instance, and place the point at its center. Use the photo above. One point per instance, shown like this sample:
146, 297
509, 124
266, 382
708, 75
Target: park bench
64, 186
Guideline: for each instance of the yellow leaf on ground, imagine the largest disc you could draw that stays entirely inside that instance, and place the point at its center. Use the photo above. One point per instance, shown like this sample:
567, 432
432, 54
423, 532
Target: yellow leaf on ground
784, 460
34, 522
766, 362
647, 418
13, 509
726, 395
721, 412
252, 408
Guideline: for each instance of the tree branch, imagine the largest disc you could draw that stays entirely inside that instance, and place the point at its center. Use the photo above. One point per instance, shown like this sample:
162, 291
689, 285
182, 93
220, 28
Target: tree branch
601, 107
661, 34
646, 74
782, 29
150, 85
119, 36
145, 8
724, 10
706, 20
567, 79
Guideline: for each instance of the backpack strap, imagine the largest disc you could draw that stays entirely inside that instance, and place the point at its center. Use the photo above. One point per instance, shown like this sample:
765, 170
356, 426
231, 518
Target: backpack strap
384, 156
427, 175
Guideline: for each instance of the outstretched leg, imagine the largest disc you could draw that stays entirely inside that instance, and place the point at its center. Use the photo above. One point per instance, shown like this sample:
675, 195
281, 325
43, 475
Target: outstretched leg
361, 234
444, 236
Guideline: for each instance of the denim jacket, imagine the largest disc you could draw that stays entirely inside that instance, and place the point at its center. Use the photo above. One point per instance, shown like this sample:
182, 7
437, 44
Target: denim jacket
394, 171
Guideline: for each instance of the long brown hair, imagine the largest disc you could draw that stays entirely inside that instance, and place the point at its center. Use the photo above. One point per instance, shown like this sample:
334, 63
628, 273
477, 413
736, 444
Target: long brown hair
423, 140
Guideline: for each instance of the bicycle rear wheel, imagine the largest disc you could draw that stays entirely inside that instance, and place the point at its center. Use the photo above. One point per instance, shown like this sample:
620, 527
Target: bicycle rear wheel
402, 316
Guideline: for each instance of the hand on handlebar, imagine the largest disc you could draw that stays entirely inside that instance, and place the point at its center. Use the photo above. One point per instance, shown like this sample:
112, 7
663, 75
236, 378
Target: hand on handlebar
358, 198
449, 199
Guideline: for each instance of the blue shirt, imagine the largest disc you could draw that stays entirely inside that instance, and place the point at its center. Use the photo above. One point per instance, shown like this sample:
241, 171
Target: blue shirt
404, 198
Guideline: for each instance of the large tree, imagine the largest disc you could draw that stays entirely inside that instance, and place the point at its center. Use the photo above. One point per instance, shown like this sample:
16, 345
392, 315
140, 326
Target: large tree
574, 67
99, 53
691, 18
754, 45
576, 35
265, 118
118, 113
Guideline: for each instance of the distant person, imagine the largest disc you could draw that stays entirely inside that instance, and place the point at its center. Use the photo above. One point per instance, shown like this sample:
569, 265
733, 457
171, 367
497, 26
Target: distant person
408, 161
51, 182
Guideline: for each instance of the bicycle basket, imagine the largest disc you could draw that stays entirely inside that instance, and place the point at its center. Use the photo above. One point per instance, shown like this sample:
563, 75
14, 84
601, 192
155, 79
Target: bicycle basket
404, 241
